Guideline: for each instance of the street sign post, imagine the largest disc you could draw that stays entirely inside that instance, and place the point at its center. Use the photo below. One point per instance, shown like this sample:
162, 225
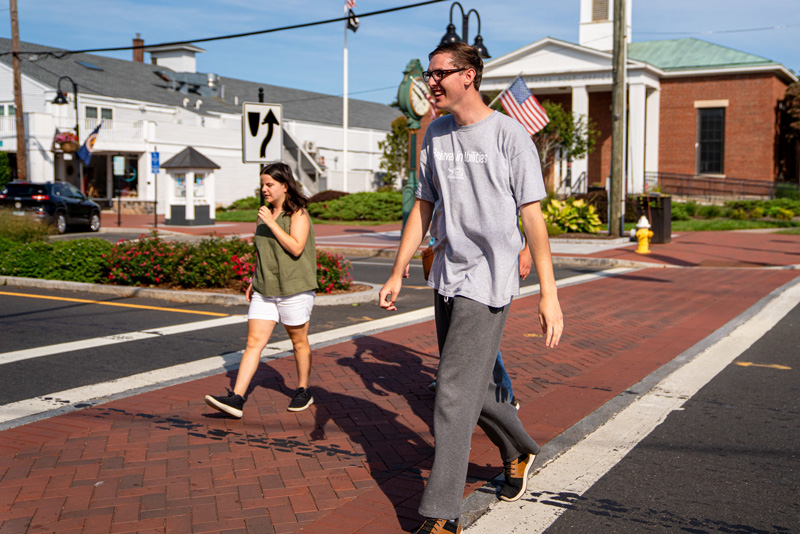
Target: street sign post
154, 157
262, 132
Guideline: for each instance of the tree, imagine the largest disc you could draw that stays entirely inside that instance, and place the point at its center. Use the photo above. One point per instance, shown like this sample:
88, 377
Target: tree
395, 153
5, 169
574, 135
791, 104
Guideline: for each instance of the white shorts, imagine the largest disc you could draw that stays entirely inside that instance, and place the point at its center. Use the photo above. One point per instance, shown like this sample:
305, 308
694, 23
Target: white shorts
292, 310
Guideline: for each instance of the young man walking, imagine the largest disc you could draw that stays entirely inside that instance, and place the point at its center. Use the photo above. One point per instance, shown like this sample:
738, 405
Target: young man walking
478, 169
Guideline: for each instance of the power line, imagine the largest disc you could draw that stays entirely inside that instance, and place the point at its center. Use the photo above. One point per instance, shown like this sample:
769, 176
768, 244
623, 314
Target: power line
765, 28
59, 55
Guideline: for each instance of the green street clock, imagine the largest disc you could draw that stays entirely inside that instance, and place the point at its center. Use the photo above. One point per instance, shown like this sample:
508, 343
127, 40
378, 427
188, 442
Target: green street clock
412, 95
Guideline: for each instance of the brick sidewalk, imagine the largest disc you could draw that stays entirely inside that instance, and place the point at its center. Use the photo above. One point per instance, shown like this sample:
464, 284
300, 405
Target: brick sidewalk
356, 461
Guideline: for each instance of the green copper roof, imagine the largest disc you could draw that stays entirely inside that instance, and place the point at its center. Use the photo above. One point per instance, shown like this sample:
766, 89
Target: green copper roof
683, 54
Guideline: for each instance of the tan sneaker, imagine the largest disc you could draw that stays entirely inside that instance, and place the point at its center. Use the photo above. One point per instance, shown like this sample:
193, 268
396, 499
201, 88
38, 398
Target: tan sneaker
439, 526
516, 472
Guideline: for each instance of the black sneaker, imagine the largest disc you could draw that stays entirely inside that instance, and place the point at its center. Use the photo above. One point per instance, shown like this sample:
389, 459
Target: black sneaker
432, 387
231, 403
516, 472
515, 403
302, 400
439, 526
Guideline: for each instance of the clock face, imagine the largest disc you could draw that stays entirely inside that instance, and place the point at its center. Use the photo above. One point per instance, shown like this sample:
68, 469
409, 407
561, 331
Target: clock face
419, 102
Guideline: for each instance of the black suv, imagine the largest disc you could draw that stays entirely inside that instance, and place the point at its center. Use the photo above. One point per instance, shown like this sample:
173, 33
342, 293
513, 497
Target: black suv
58, 203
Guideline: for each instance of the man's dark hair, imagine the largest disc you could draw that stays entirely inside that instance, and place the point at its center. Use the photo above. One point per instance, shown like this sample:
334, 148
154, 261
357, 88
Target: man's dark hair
463, 56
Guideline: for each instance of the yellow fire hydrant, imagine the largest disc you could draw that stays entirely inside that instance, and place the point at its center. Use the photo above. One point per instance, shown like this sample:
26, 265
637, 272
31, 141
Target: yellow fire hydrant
644, 235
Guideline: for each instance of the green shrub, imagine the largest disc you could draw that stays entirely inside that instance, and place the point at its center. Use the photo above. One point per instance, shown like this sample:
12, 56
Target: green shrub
248, 203
679, 212
22, 229
739, 214
333, 272
599, 199
28, 260
209, 263
144, 262
757, 213
691, 208
80, 260
378, 206
572, 216
787, 191
709, 211
784, 214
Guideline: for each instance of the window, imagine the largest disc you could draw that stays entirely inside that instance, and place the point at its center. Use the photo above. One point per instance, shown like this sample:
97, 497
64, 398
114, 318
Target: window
710, 140
7, 110
599, 10
180, 185
199, 185
106, 114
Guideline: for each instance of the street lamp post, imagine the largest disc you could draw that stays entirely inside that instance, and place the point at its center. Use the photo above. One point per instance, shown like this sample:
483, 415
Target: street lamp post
60, 100
451, 36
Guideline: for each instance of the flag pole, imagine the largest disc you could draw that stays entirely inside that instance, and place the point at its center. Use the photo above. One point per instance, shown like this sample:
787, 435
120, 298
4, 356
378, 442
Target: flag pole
504, 90
345, 113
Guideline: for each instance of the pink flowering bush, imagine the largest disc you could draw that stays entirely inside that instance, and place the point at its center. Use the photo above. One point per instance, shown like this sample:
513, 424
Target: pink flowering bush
333, 272
215, 263
148, 261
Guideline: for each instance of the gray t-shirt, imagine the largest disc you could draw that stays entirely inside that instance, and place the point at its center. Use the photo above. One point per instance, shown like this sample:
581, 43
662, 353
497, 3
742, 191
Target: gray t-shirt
477, 177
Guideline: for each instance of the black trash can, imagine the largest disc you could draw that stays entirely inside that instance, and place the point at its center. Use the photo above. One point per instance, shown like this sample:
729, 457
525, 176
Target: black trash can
658, 210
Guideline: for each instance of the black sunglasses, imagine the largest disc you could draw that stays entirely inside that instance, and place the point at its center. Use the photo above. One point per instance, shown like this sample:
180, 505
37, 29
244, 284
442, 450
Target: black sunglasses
439, 74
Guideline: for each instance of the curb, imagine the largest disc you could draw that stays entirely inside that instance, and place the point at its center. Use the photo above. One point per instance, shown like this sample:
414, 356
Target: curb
171, 295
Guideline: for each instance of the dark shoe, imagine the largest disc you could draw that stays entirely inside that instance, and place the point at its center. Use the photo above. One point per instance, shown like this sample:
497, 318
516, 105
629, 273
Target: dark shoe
439, 526
516, 472
515, 403
231, 403
432, 387
302, 400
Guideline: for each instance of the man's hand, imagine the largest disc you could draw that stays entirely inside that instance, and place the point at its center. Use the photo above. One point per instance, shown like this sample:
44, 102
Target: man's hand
551, 320
388, 294
525, 263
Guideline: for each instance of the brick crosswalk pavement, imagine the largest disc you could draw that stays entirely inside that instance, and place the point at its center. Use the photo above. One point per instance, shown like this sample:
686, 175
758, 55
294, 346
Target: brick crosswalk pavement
356, 461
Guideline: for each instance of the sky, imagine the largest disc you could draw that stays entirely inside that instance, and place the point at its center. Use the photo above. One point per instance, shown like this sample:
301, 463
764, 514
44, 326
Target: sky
312, 58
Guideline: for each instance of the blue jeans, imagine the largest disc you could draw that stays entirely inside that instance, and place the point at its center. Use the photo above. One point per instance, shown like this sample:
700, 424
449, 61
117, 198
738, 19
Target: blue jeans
501, 376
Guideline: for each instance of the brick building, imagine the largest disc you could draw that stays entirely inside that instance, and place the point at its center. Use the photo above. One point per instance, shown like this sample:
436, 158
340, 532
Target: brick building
694, 108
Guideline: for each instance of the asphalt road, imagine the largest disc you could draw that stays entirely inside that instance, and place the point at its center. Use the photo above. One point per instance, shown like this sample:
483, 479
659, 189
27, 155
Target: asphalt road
34, 318
727, 462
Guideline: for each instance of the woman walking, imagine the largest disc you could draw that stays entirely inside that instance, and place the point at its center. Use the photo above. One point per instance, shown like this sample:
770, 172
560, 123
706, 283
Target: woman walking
282, 289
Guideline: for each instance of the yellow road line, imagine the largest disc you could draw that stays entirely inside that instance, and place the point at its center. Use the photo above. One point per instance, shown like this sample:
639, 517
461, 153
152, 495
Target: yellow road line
138, 306
769, 366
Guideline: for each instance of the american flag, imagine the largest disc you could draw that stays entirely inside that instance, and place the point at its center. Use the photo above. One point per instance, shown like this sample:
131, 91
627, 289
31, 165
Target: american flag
518, 102
350, 4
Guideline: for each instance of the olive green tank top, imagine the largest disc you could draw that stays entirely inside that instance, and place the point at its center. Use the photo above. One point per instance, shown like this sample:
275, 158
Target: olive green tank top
278, 273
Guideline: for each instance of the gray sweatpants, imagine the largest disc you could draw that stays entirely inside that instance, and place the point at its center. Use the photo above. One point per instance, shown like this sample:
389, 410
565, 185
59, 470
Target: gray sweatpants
466, 394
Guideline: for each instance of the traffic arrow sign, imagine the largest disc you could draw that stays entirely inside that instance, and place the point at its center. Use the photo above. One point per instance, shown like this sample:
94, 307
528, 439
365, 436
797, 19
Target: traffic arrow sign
262, 132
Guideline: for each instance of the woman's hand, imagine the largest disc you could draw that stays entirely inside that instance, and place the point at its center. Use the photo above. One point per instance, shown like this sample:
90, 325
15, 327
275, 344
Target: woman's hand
265, 214
248, 293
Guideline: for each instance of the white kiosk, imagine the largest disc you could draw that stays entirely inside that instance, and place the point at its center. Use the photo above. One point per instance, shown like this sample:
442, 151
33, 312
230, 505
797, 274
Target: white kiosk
190, 189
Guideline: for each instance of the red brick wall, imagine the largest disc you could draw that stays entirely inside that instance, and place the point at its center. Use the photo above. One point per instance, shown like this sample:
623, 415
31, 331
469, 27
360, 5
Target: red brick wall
599, 165
750, 123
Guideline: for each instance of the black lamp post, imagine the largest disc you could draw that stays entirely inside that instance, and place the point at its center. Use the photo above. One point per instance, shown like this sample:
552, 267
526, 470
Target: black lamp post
61, 99
451, 36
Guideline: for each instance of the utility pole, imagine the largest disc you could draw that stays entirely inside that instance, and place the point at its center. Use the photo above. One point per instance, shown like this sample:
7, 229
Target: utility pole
616, 220
22, 148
